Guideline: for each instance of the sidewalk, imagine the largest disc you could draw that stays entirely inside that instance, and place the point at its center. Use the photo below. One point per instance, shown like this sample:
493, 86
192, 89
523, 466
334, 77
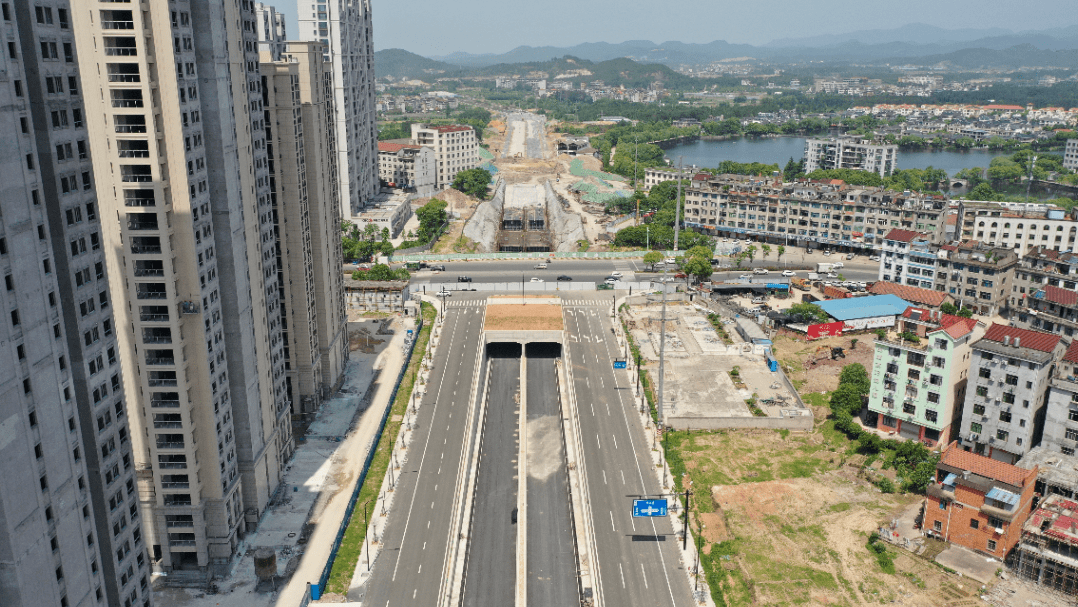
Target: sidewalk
317, 486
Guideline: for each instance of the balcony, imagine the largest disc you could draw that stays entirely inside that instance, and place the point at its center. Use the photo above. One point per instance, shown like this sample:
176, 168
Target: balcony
118, 25
154, 314
165, 404
151, 290
163, 383
146, 246
139, 198
175, 444
159, 358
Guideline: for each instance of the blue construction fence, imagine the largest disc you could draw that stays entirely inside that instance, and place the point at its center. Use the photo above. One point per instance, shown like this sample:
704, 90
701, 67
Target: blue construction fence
315, 592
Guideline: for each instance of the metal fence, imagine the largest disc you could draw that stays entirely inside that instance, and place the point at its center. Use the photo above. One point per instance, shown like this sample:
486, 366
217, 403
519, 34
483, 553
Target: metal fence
363, 473
399, 258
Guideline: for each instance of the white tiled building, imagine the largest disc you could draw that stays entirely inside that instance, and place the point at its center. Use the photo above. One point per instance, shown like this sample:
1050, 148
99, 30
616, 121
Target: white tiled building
1070, 155
849, 153
455, 149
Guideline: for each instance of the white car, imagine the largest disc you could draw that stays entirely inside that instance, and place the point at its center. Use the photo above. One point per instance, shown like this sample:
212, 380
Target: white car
610, 281
745, 276
832, 275
838, 264
670, 261
616, 274
789, 273
536, 279
874, 258
444, 293
760, 271
540, 266
826, 253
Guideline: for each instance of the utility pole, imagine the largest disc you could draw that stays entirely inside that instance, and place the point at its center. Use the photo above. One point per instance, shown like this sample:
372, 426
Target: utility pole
677, 209
662, 361
636, 165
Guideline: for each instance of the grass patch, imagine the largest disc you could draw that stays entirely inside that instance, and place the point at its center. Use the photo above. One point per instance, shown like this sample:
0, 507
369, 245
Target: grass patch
344, 564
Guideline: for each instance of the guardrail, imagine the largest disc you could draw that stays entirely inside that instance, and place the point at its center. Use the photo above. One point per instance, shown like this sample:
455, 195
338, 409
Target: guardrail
363, 474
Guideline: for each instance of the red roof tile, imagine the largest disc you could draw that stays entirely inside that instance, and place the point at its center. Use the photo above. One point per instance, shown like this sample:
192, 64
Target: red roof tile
1072, 352
451, 129
1063, 297
918, 295
395, 147
987, 467
1034, 340
901, 235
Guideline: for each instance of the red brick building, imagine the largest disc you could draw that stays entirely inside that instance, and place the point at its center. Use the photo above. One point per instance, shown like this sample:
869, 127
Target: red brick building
978, 502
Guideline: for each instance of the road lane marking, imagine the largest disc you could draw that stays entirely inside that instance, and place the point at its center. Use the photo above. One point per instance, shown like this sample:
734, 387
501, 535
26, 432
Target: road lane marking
615, 440
420, 571
597, 441
644, 574
612, 527
592, 409
622, 476
620, 568
604, 477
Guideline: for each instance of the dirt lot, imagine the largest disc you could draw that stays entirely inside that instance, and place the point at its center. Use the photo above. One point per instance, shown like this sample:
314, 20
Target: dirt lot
788, 518
797, 355
513, 317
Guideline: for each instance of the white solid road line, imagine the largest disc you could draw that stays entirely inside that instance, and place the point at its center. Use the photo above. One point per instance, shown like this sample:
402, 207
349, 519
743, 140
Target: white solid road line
615, 439
604, 477
612, 527
620, 568
597, 441
644, 575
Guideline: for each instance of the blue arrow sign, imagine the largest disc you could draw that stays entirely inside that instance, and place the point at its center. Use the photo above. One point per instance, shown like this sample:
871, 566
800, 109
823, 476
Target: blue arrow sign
649, 507
619, 364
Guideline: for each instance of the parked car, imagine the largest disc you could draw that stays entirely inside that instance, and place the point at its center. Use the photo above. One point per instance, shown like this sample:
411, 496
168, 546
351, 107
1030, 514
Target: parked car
849, 256
670, 261
681, 275
564, 277
444, 292
837, 265
832, 275
437, 268
757, 300
540, 266
827, 253
536, 279
464, 279
616, 274
874, 258
789, 273
760, 271
745, 276
610, 280
862, 284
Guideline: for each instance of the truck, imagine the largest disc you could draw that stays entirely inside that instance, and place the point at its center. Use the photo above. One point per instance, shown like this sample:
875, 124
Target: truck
824, 268
813, 276
799, 283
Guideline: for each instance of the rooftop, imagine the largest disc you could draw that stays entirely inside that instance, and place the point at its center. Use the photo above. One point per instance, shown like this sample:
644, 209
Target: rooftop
1025, 338
917, 295
864, 307
987, 467
1064, 297
902, 235
1057, 518
385, 146
1072, 352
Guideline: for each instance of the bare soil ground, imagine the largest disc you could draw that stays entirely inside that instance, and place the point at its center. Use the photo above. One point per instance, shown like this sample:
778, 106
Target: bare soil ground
789, 516
797, 355
514, 317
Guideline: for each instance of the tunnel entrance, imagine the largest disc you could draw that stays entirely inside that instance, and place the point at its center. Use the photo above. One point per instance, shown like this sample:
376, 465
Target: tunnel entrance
543, 350
503, 350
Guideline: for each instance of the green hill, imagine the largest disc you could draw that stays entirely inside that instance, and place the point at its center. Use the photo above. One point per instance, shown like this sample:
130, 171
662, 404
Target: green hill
399, 63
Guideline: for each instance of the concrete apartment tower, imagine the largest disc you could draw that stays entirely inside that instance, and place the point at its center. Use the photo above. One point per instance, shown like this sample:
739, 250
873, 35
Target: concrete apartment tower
70, 526
178, 137
344, 29
298, 102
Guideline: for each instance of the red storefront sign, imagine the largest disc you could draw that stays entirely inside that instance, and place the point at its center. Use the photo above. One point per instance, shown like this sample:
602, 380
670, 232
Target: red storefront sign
829, 329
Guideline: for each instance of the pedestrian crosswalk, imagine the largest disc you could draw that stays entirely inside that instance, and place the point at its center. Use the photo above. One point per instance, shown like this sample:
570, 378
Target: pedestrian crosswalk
607, 301
626, 267
585, 301
466, 303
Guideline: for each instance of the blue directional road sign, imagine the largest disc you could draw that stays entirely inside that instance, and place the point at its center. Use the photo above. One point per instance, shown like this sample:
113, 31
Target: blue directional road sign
649, 507
620, 364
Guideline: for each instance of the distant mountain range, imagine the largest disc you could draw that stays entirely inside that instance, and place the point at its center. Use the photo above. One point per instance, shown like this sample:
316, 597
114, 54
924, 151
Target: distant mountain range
900, 44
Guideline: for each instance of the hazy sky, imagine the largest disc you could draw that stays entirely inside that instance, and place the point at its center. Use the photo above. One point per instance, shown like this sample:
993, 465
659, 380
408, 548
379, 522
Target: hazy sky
440, 27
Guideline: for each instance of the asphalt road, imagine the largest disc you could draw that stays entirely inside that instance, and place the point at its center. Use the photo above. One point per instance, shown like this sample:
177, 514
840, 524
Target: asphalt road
552, 571
491, 571
413, 561
638, 559
596, 270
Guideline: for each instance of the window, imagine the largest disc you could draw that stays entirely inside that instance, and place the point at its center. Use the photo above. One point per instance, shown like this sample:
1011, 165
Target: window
974, 523
982, 391
938, 525
1002, 435
1071, 434
991, 545
1005, 416
1011, 380
975, 428
985, 373
931, 416
1073, 413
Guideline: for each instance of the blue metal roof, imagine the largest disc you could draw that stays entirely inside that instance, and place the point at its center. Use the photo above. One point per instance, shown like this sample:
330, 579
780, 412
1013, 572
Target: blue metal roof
1001, 495
951, 478
864, 307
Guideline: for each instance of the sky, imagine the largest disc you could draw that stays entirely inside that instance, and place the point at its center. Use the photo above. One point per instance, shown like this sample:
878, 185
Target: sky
441, 27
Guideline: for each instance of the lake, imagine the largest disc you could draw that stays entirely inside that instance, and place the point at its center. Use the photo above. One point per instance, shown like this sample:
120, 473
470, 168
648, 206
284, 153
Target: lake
708, 154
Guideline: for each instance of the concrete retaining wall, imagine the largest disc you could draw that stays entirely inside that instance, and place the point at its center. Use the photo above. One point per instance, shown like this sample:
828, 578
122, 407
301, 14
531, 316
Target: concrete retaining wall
566, 228
483, 226
801, 422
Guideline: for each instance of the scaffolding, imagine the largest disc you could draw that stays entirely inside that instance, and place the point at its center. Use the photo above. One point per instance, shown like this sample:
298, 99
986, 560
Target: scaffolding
1048, 551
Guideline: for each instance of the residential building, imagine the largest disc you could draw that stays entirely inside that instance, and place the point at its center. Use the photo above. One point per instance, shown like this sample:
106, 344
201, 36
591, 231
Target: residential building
187, 222
407, 166
1061, 417
377, 296
918, 387
1070, 155
455, 149
1022, 231
306, 211
977, 275
344, 29
1043, 296
1048, 551
806, 213
653, 176
72, 532
270, 26
851, 153
915, 295
978, 502
1003, 414
909, 258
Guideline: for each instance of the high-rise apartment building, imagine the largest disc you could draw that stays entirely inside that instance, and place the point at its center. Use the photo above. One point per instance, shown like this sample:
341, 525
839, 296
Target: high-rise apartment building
344, 29
851, 153
271, 30
70, 527
455, 149
298, 104
178, 137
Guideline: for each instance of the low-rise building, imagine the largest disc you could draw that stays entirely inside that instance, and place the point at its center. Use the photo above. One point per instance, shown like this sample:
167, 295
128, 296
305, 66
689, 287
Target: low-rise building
455, 148
977, 275
915, 295
1010, 369
918, 387
1043, 295
1070, 155
375, 295
909, 258
851, 153
407, 166
978, 502
1048, 551
1061, 416
1023, 230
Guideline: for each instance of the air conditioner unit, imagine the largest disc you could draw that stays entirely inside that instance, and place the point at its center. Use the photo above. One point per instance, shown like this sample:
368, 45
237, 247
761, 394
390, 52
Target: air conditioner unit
999, 531
974, 437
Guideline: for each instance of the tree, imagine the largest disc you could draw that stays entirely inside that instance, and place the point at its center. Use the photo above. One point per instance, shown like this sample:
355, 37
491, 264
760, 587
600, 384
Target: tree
780, 252
766, 250
738, 260
700, 251
948, 308
855, 375
808, 311
698, 267
473, 182
983, 191
385, 234
431, 218
846, 399
751, 253
652, 257
965, 313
